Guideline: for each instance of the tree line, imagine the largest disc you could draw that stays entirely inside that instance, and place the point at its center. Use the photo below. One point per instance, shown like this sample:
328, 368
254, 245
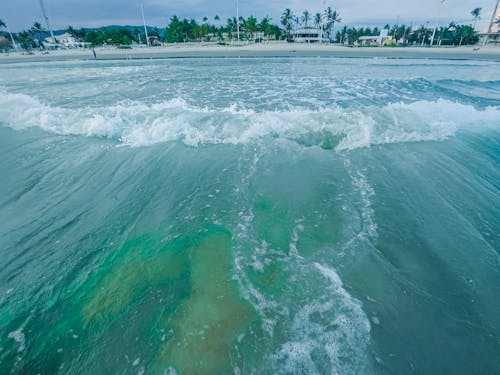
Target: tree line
451, 35
189, 30
250, 29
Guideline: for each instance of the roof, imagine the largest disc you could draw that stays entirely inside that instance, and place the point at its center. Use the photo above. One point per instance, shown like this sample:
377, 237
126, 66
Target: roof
307, 30
59, 37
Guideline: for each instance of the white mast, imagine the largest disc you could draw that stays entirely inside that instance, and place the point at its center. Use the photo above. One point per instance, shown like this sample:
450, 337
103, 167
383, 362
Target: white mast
238, 20
144, 23
11, 37
491, 24
47, 20
435, 27
493, 17
321, 23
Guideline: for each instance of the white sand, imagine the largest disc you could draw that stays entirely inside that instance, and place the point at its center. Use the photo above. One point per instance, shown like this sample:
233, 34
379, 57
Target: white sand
277, 49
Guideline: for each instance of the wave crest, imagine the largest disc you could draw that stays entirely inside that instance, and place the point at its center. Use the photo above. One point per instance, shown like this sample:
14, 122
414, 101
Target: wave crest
140, 124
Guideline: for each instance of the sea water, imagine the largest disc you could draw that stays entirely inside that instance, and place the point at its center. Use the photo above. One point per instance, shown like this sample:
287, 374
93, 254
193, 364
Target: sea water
250, 216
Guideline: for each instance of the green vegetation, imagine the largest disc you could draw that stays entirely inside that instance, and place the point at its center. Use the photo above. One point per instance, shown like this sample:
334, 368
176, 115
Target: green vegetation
39, 30
402, 35
305, 18
251, 30
287, 20
109, 36
476, 13
330, 17
183, 31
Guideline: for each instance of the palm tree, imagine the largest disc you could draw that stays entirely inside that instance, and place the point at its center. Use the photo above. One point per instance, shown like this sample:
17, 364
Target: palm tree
331, 17
251, 28
37, 28
25, 39
4, 25
296, 21
231, 26
305, 17
476, 12
71, 30
318, 19
287, 21
265, 26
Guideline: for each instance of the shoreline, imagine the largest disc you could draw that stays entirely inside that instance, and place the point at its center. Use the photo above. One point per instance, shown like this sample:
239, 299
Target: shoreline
198, 50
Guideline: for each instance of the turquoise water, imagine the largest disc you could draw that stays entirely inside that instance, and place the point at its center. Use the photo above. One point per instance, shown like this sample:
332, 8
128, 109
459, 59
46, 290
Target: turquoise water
265, 216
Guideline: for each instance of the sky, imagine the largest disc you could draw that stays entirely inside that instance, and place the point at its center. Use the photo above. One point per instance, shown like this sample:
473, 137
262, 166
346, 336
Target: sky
20, 14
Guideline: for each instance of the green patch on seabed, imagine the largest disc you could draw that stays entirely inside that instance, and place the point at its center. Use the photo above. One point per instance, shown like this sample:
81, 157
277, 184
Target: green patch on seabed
204, 328
141, 264
206, 313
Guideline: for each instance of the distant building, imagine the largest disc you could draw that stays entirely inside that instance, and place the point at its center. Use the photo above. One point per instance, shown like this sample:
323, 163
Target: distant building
307, 35
65, 40
376, 40
154, 41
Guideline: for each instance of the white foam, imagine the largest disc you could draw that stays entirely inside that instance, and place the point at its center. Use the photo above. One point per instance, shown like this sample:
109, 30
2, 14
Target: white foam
332, 276
170, 371
18, 336
343, 333
139, 124
367, 213
327, 322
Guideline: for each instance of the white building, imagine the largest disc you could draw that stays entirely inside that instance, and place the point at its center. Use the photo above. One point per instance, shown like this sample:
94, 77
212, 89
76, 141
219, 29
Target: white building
65, 40
307, 35
377, 40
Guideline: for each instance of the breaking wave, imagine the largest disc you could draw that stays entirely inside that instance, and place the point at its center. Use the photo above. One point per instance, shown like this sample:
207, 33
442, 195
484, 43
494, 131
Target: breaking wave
140, 124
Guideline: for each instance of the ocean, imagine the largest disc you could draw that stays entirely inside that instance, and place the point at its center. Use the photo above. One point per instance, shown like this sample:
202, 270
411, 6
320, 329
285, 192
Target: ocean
250, 216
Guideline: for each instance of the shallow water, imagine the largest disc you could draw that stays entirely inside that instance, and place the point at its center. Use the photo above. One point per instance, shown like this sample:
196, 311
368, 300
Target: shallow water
250, 216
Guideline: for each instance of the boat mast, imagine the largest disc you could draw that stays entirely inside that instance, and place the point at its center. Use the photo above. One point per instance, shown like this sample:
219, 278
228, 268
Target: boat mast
436, 25
47, 20
144, 23
11, 37
238, 20
490, 27
493, 18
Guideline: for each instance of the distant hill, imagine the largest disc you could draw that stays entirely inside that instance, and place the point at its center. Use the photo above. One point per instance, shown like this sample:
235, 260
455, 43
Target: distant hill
112, 27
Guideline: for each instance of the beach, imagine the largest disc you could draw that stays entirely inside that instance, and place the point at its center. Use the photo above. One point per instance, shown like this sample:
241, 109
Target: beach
278, 49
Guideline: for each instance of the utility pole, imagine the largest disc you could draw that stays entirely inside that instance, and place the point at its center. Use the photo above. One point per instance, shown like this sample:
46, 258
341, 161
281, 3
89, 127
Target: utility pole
47, 21
321, 24
435, 27
238, 20
144, 23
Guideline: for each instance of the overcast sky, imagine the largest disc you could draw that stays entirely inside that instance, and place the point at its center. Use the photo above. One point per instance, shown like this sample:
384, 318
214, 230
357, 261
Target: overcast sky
19, 14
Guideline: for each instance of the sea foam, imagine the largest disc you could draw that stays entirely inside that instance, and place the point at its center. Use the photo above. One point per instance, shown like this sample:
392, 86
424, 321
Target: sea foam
140, 124
344, 339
